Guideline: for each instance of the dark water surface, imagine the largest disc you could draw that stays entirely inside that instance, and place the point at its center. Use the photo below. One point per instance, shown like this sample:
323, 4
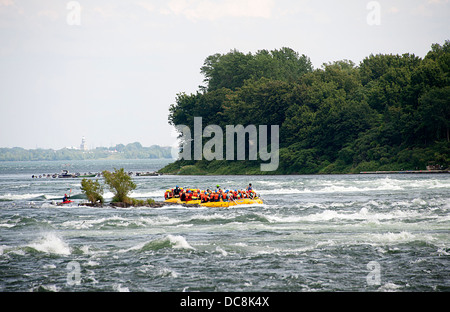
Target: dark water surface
313, 233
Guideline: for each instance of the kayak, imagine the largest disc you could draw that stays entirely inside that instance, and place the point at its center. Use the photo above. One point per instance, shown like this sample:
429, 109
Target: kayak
243, 201
65, 202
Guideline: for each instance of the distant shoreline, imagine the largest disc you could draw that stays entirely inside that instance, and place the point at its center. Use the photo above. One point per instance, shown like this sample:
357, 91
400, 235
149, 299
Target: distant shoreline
118, 152
105, 159
190, 168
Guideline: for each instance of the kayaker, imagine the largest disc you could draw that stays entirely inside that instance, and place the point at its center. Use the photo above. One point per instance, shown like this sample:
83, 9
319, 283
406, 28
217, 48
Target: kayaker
66, 198
176, 191
189, 195
168, 194
203, 197
216, 196
183, 196
195, 194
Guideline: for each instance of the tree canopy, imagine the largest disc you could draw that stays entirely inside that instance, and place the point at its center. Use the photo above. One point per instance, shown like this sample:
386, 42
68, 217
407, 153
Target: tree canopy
390, 112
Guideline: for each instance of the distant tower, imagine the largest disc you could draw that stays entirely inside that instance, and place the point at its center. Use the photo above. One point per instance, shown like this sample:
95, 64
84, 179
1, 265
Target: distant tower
83, 145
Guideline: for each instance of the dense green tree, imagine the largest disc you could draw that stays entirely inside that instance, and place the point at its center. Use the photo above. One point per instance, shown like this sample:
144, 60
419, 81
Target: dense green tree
231, 70
226, 71
93, 190
260, 102
434, 112
389, 112
120, 183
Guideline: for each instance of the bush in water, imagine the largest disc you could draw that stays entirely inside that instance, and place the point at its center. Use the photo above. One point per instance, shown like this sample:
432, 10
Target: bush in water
93, 190
120, 184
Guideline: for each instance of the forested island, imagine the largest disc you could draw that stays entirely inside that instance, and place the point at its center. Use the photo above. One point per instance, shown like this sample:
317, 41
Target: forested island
120, 151
390, 112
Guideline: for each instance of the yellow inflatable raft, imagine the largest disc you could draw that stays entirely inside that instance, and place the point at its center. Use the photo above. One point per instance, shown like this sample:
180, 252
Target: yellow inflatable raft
172, 200
243, 201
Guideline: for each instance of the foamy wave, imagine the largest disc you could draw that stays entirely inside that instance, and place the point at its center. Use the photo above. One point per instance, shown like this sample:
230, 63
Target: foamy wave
402, 237
45, 288
164, 272
419, 202
109, 195
119, 222
221, 251
10, 196
390, 287
281, 191
7, 225
51, 243
179, 242
120, 288
330, 189
147, 194
364, 215
170, 241
2, 249
355, 189
275, 183
84, 224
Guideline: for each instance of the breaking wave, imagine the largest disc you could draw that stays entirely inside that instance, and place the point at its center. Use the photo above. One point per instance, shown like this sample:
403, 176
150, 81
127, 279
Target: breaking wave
169, 241
50, 243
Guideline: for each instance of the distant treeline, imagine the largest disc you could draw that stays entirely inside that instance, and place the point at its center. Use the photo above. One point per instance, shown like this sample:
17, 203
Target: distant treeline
120, 151
390, 112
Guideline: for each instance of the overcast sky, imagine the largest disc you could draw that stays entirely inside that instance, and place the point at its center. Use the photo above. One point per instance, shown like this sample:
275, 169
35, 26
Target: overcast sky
110, 70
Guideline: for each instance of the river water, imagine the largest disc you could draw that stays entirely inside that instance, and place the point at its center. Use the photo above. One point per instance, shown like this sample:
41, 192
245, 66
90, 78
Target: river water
359, 233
